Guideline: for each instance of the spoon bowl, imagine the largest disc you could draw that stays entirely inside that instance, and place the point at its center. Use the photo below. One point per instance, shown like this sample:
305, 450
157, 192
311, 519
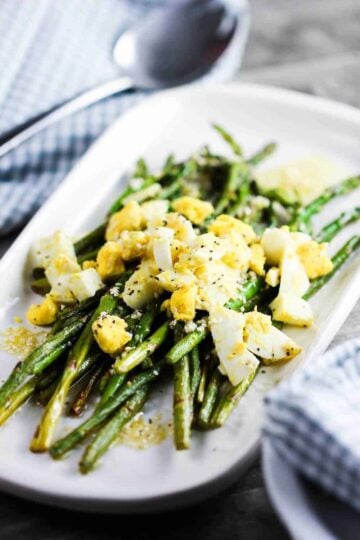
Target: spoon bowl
190, 38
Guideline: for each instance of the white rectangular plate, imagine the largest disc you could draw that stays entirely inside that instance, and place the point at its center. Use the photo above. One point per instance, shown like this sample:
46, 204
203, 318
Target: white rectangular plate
175, 121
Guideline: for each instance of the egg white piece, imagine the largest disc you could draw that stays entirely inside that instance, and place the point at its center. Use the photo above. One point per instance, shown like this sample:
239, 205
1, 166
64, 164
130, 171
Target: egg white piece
84, 284
227, 327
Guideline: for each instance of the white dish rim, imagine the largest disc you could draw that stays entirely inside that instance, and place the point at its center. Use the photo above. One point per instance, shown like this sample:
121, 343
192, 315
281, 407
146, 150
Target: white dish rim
207, 488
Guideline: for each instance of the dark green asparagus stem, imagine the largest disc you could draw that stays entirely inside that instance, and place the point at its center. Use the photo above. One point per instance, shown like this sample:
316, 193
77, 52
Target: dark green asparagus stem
17, 398
248, 291
186, 344
182, 406
238, 174
195, 370
338, 260
44, 392
327, 233
44, 432
88, 256
302, 219
202, 382
61, 447
133, 358
208, 404
79, 403
241, 197
230, 401
91, 240
111, 430
119, 203
182, 398
115, 382
263, 153
229, 139
40, 358
168, 192
40, 286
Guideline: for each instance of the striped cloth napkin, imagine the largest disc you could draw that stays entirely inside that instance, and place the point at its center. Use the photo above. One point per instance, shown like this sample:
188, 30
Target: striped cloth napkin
312, 420
49, 52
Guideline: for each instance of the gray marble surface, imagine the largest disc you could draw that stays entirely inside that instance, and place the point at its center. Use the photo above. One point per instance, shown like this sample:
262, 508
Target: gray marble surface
312, 46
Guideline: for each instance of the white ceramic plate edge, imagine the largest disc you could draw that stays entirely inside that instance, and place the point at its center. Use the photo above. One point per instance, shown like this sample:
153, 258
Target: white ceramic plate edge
210, 487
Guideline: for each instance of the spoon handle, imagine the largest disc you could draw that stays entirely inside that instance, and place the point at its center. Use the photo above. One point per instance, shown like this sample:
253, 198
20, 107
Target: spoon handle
67, 108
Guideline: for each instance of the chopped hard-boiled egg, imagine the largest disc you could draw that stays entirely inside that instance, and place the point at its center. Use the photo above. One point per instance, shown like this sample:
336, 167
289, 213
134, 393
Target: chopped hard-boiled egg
257, 259
272, 277
61, 264
226, 226
227, 327
182, 227
293, 279
193, 209
58, 274
217, 284
205, 248
129, 218
274, 242
291, 309
266, 341
162, 253
133, 244
142, 287
182, 303
44, 313
154, 212
110, 264
300, 238
48, 248
84, 284
314, 259
110, 333
238, 254
170, 280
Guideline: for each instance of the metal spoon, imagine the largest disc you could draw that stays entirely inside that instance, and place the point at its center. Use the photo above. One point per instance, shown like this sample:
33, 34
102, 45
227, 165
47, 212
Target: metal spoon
170, 47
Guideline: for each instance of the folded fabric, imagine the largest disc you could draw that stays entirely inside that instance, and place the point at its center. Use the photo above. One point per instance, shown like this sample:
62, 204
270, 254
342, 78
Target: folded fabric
313, 420
49, 52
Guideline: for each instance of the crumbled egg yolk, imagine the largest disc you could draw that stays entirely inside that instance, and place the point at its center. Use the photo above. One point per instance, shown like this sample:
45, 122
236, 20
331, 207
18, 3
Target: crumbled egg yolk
110, 333
133, 244
182, 303
228, 226
129, 218
109, 261
314, 258
20, 341
165, 306
193, 209
88, 264
257, 259
44, 313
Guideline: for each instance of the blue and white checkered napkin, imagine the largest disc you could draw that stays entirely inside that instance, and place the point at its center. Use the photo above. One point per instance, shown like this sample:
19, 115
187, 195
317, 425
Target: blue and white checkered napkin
51, 51
313, 421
